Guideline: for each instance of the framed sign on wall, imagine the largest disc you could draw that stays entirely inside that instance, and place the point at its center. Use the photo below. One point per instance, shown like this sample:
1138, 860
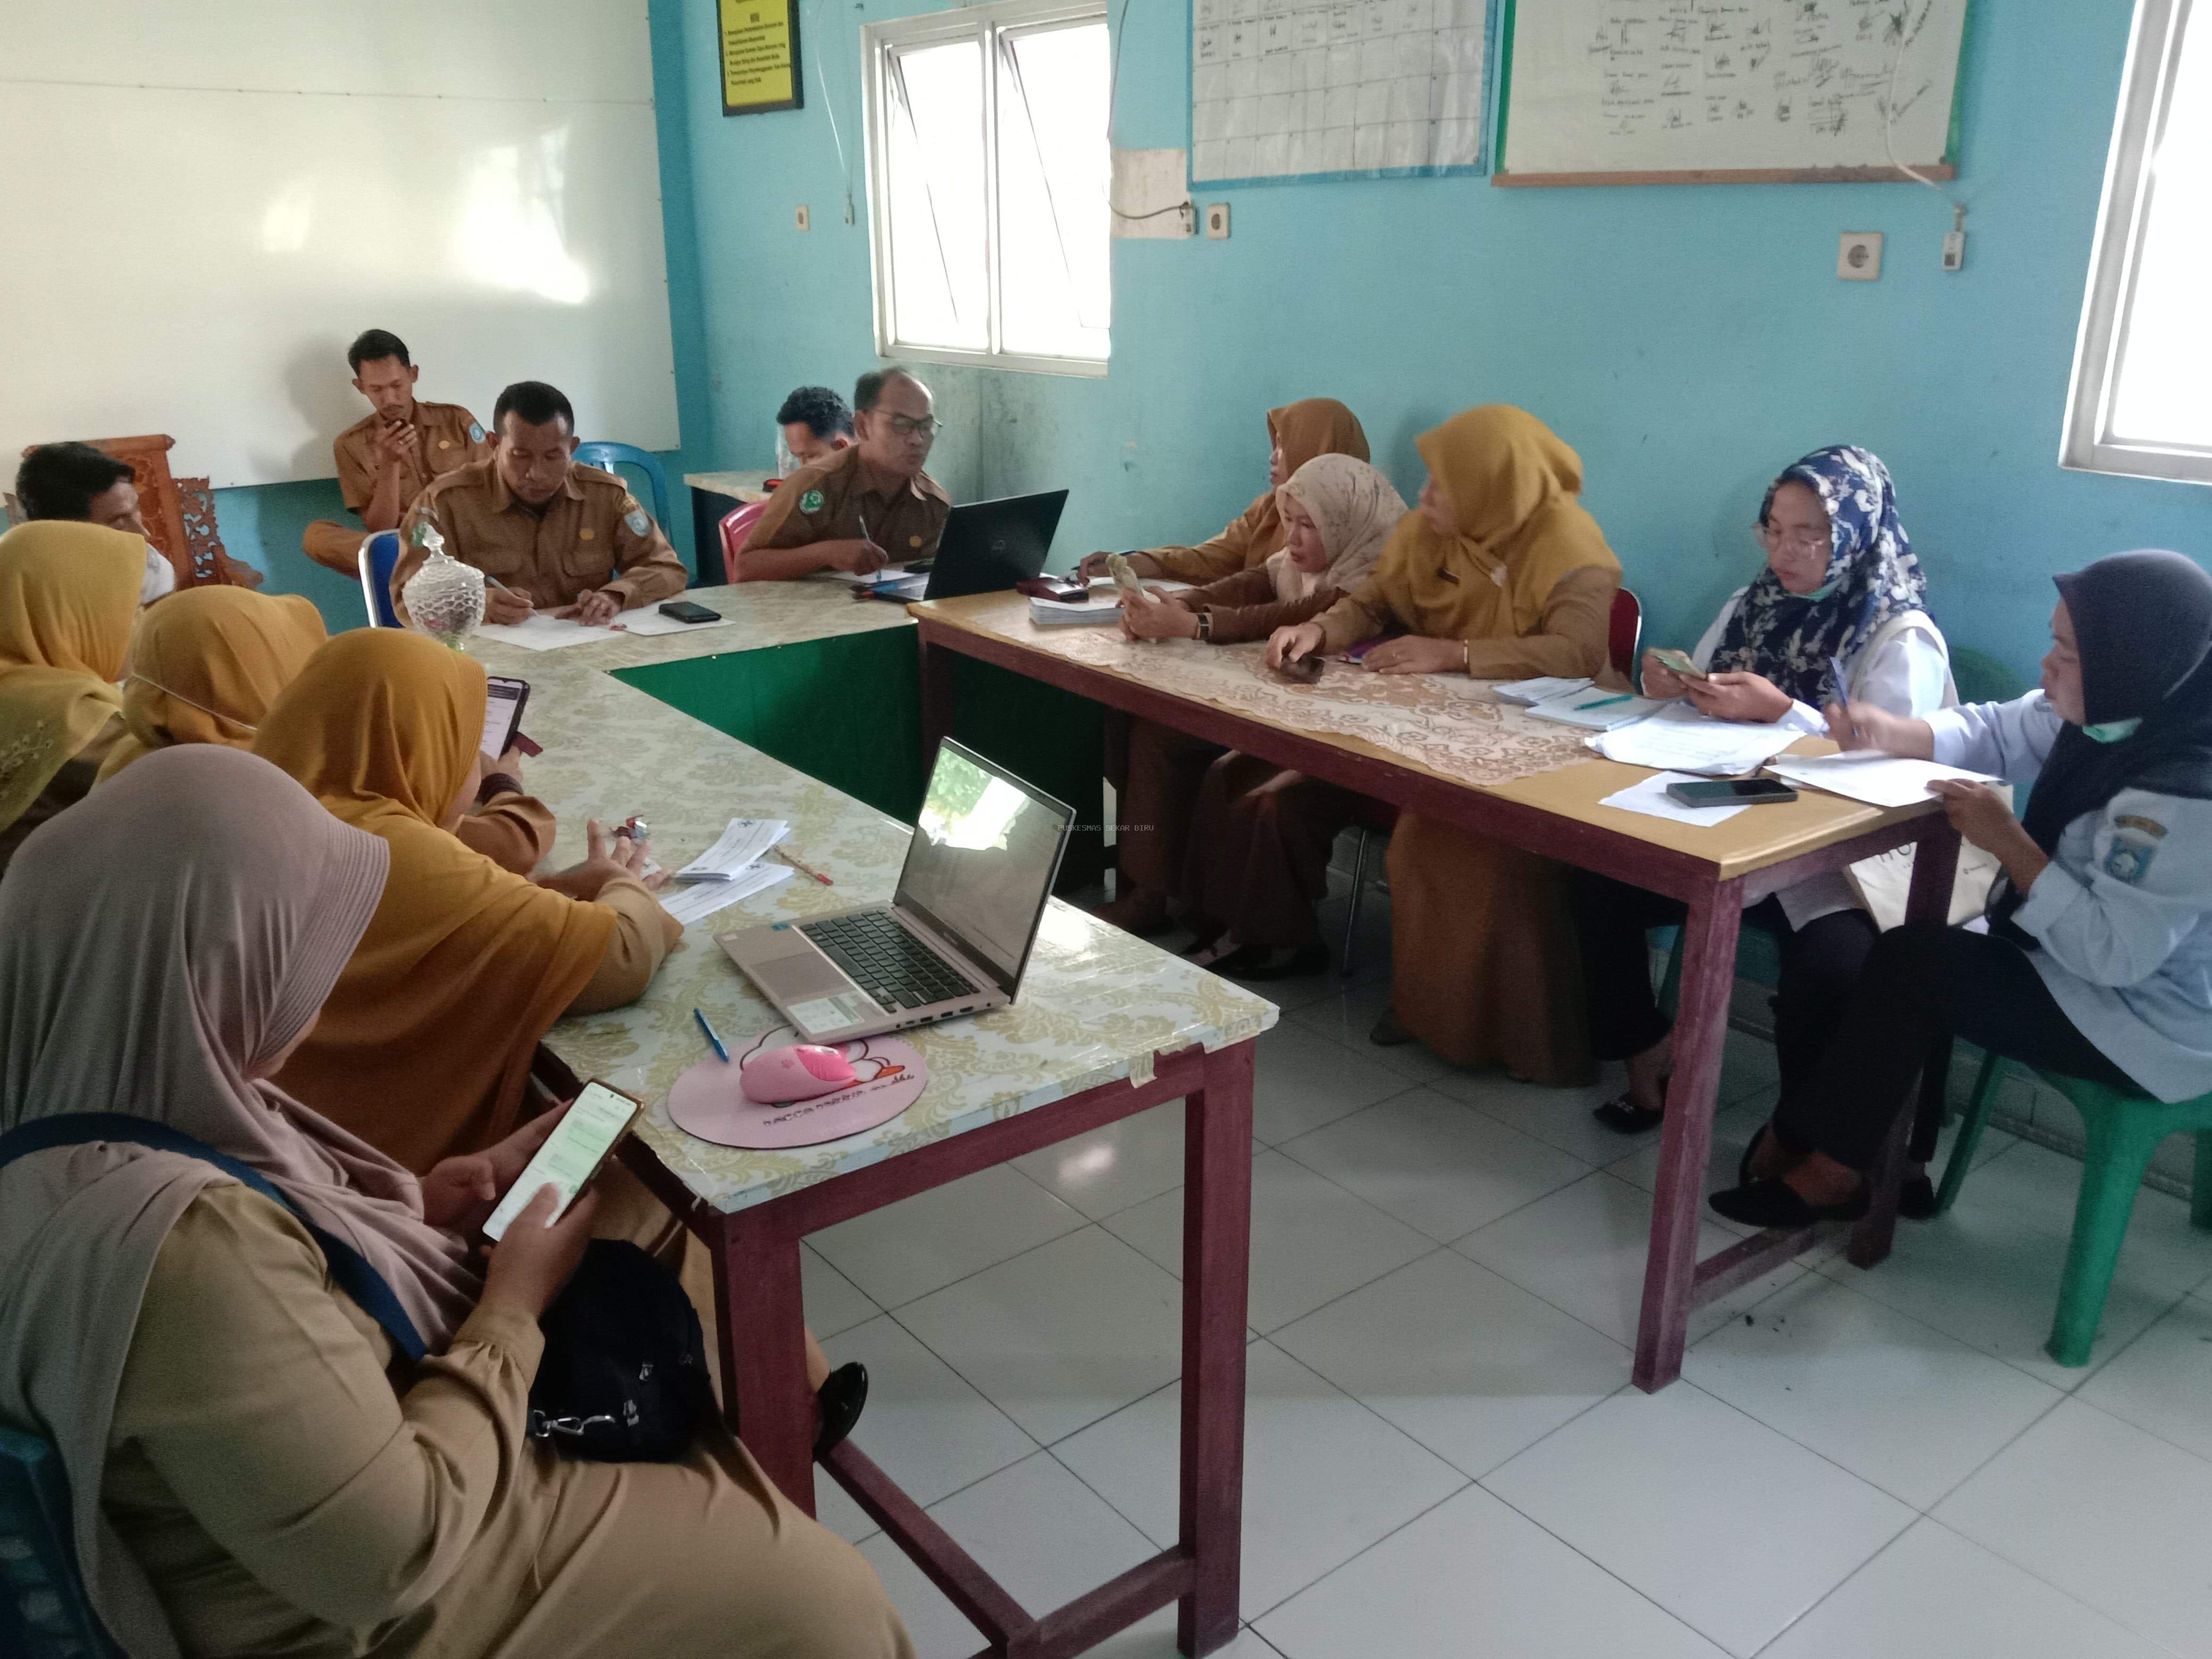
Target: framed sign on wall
760, 56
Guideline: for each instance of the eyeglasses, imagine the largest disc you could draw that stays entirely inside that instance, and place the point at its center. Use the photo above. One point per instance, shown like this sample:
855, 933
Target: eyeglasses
906, 425
1810, 541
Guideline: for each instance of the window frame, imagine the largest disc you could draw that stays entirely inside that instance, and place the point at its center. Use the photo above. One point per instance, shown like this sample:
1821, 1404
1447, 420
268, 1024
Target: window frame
2087, 443
988, 25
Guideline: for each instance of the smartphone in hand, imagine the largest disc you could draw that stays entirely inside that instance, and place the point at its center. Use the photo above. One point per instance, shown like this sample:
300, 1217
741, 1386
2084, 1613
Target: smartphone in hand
1679, 662
570, 1156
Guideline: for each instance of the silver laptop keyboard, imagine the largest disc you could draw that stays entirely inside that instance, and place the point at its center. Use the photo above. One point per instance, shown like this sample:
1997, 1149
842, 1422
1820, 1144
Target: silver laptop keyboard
891, 964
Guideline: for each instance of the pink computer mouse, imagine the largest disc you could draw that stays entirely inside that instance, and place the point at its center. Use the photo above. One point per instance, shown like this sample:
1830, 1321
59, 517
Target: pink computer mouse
799, 1071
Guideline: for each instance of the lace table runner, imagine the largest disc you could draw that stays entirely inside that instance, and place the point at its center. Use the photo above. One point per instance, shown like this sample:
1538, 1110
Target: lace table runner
1444, 721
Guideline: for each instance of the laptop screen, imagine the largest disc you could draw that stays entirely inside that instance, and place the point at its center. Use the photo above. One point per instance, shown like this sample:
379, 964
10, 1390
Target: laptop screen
986, 848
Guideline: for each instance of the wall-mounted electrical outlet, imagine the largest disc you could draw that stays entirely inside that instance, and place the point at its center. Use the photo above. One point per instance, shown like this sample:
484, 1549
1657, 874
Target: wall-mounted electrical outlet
1217, 221
1954, 251
804, 217
1859, 256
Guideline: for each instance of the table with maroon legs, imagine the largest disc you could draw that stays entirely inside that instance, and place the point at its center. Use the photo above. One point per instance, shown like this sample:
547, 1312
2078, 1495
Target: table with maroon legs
1716, 871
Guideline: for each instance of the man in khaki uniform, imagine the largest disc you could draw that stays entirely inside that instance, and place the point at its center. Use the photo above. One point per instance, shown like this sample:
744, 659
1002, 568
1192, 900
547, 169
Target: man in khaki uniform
553, 536
859, 508
386, 458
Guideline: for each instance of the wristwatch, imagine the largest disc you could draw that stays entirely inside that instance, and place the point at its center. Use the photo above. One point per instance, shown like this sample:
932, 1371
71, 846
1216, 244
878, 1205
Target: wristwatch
1205, 627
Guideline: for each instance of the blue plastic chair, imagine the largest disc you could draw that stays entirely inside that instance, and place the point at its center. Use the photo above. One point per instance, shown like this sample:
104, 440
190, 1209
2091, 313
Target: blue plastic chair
611, 456
44, 1611
379, 557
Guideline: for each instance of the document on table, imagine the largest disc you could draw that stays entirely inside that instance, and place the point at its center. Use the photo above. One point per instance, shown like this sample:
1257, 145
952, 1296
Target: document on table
1877, 779
648, 621
1542, 689
543, 633
1650, 798
1678, 738
736, 855
745, 842
696, 901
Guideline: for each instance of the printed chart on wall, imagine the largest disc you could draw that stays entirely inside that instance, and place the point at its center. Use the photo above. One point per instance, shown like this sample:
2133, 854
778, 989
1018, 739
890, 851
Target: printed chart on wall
759, 55
1286, 90
1727, 91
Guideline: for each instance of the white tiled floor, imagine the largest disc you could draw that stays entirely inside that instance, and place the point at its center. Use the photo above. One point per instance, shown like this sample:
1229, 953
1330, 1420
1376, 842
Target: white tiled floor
1443, 1456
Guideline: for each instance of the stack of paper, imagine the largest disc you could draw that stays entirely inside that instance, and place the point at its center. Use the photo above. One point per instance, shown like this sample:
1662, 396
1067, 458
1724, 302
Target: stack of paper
1680, 740
1605, 712
544, 632
732, 869
1542, 689
1650, 798
1104, 605
1877, 779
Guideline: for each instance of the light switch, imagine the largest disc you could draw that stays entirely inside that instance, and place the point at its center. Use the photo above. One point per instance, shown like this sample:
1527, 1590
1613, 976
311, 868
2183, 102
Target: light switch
804, 217
1217, 221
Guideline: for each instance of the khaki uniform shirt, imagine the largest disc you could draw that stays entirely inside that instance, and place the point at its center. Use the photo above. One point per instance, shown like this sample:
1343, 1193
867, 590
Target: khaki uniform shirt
449, 436
830, 501
592, 534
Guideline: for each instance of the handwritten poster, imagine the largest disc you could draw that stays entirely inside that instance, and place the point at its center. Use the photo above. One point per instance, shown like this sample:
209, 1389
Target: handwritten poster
1306, 88
1630, 85
760, 56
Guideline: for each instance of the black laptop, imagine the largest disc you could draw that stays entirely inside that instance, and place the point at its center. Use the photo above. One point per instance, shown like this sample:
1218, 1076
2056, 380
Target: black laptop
988, 546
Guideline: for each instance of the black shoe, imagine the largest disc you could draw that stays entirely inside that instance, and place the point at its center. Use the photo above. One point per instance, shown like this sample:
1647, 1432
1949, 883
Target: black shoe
1265, 962
1624, 1116
1915, 1199
843, 1395
1777, 1204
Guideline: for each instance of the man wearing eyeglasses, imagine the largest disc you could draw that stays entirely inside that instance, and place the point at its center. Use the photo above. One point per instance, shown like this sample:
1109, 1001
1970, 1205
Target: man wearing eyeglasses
862, 508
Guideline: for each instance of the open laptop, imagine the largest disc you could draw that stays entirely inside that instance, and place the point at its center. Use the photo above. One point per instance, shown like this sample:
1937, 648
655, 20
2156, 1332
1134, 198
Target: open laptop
955, 937
985, 548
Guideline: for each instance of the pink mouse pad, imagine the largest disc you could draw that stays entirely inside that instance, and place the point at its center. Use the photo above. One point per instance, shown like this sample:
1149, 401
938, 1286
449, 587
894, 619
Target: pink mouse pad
707, 1103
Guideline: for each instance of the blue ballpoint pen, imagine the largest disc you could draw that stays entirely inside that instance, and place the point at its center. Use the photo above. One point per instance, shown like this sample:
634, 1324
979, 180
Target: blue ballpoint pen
720, 1052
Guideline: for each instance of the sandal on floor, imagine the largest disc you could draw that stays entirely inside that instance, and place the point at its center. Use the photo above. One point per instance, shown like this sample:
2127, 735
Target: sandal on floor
1387, 1033
1624, 1116
1266, 961
1777, 1204
843, 1395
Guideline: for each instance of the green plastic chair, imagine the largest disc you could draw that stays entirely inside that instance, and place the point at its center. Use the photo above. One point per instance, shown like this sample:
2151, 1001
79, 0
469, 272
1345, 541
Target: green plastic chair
2124, 1127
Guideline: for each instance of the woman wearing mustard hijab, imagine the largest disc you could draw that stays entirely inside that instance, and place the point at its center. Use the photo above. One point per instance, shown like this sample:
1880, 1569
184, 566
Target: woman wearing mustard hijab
1500, 574
69, 592
1295, 433
423, 1049
206, 664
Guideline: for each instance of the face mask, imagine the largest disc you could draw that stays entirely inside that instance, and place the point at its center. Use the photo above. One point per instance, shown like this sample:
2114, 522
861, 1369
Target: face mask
2112, 731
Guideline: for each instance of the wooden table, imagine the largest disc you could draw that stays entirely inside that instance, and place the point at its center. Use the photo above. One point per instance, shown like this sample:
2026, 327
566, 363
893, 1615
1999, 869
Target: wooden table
1716, 871
715, 496
1106, 1026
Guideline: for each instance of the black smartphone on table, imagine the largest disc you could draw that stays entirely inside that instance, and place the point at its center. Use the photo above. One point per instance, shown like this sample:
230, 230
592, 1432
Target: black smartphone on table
504, 702
1731, 791
684, 612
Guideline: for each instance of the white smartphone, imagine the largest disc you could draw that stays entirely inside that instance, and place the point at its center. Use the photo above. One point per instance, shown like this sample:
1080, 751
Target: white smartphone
571, 1155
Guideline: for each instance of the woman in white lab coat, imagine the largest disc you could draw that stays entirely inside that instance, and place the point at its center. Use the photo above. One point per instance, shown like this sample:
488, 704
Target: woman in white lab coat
2097, 961
1841, 592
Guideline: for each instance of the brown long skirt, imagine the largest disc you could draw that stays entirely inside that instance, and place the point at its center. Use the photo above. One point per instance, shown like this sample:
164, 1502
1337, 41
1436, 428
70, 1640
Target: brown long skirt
1485, 970
1259, 849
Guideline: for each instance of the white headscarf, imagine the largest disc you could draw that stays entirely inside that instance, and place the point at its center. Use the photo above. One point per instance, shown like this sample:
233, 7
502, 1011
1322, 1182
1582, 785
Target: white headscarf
160, 942
1355, 509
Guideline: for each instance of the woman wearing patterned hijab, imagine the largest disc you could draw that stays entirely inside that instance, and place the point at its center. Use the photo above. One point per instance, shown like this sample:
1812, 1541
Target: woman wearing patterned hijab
1230, 842
1841, 592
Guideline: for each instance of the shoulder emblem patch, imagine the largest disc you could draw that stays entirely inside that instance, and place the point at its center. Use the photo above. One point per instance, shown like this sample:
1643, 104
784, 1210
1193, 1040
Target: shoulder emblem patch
810, 501
476, 432
635, 521
2129, 863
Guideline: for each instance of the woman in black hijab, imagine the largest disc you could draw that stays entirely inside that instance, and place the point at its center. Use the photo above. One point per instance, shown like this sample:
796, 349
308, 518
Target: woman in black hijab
2098, 962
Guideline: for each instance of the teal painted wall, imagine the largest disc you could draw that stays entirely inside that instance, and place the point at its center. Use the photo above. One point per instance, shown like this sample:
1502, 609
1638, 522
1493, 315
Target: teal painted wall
262, 525
1688, 342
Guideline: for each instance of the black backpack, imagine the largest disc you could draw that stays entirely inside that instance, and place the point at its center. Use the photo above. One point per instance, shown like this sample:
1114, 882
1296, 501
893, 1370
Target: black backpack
624, 1378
